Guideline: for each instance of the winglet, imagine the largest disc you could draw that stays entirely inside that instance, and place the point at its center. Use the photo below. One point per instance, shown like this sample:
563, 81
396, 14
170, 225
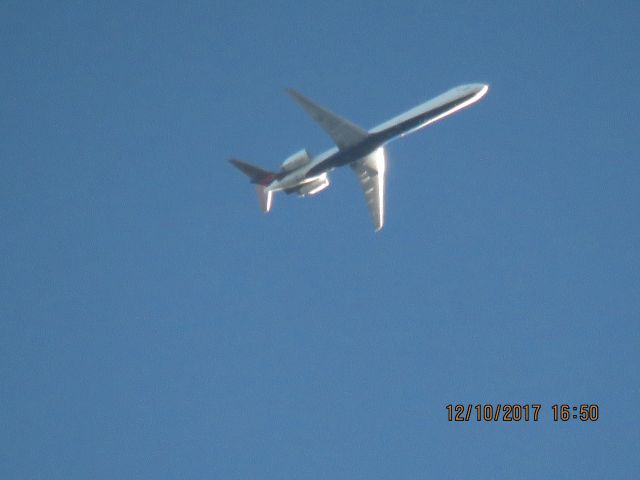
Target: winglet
343, 132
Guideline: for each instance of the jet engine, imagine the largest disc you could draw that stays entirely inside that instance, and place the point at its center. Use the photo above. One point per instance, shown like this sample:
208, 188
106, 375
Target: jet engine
296, 160
314, 186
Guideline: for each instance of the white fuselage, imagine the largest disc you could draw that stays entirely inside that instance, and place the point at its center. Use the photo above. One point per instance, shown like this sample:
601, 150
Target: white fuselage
414, 119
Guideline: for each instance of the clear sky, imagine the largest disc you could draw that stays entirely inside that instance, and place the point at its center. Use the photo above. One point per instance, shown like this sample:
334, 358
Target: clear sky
155, 324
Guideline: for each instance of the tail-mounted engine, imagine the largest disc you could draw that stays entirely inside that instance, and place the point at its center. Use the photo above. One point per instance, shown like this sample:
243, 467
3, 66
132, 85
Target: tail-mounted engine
296, 160
314, 186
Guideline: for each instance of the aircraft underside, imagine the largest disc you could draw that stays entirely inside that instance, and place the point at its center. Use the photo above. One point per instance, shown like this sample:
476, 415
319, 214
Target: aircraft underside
361, 149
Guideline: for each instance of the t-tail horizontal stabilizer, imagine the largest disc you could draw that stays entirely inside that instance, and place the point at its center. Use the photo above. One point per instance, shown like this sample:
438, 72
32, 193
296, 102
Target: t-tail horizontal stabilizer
261, 178
265, 197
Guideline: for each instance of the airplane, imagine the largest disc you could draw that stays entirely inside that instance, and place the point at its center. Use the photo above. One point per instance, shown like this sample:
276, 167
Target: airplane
363, 150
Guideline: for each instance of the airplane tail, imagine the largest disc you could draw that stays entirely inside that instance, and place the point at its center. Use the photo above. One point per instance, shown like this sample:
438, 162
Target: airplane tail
265, 198
261, 178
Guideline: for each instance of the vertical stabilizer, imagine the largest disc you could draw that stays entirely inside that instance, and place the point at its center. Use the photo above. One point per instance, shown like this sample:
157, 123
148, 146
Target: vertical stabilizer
262, 178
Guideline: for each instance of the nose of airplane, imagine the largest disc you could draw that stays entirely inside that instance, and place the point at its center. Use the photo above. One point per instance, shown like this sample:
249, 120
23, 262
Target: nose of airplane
480, 89
484, 88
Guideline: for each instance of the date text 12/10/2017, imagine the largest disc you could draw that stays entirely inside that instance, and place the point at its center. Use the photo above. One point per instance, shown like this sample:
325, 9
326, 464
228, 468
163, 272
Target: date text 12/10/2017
516, 412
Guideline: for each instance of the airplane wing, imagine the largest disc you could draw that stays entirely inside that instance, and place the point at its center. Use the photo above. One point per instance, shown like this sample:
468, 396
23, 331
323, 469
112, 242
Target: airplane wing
371, 172
343, 132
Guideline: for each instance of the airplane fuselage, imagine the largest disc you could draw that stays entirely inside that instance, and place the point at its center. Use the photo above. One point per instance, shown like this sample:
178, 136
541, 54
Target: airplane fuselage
407, 122
363, 150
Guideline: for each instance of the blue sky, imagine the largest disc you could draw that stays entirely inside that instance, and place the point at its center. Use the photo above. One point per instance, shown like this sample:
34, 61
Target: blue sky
154, 324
